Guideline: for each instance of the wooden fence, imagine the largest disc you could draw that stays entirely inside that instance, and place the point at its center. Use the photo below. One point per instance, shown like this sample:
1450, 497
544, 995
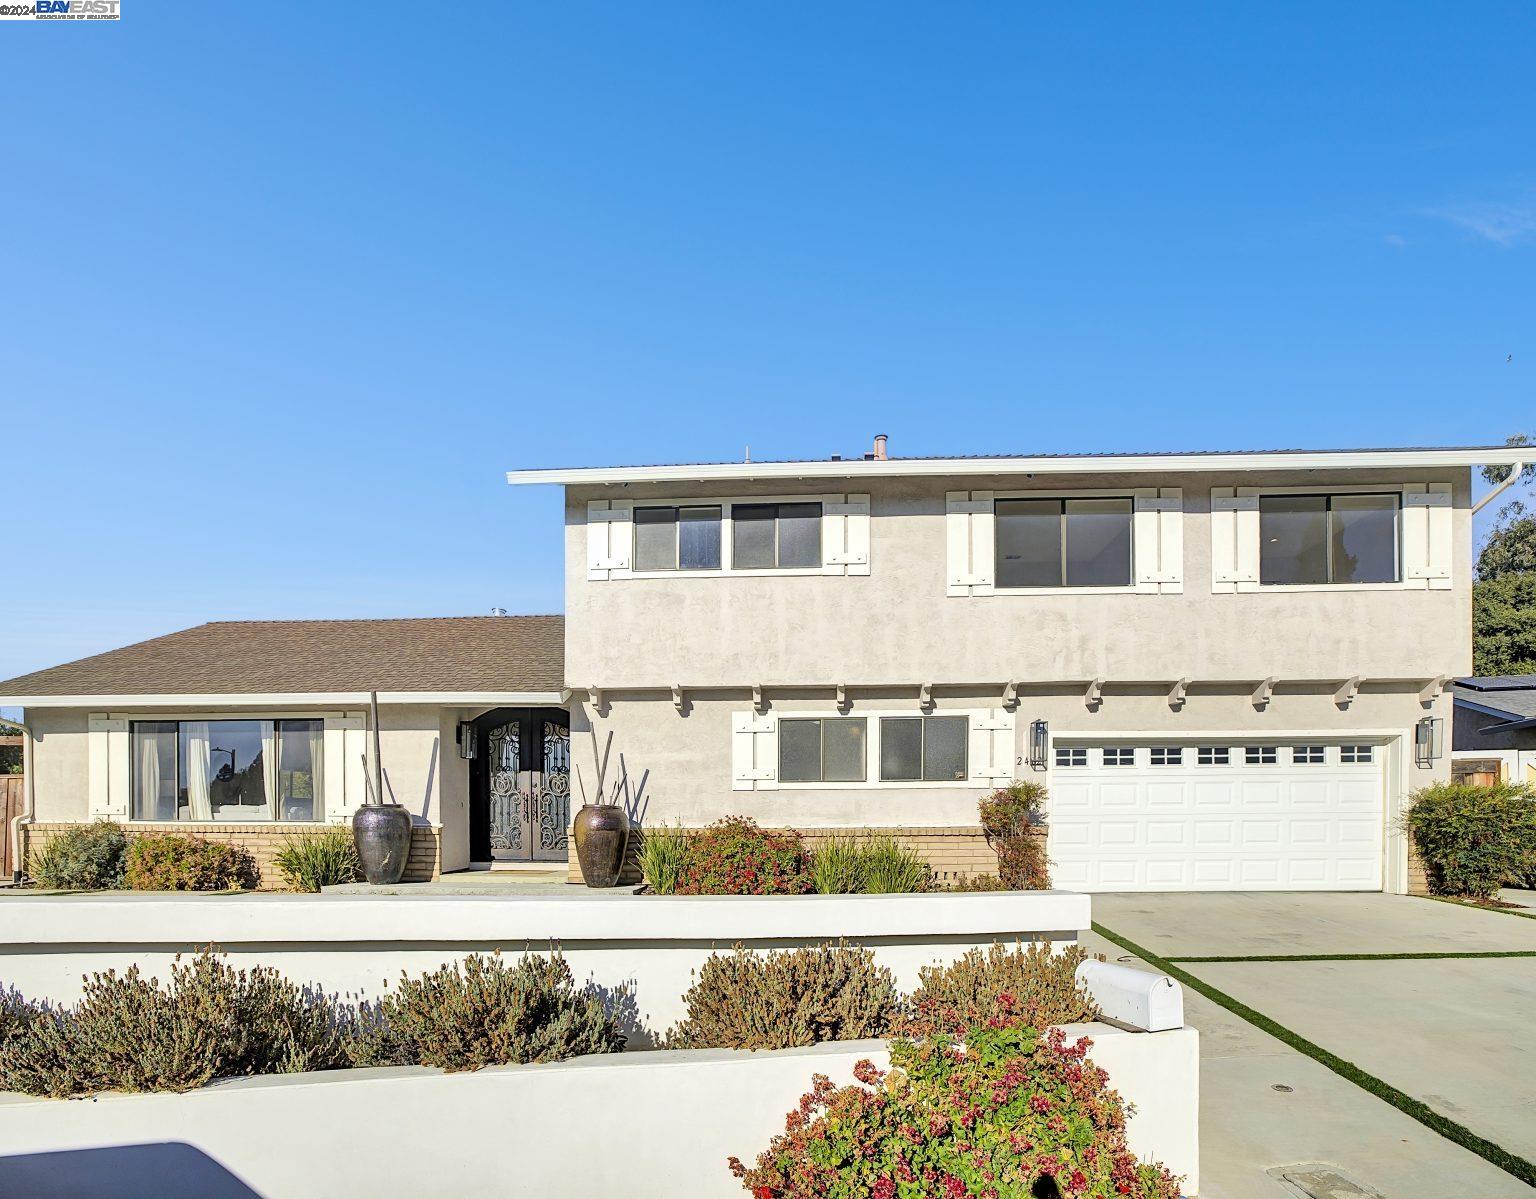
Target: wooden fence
12, 789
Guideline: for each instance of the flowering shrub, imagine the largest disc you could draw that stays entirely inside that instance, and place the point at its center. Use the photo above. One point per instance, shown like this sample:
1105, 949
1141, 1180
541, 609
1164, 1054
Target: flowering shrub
735, 857
1007, 818
1474, 840
1013, 1115
173, 862
1029, 985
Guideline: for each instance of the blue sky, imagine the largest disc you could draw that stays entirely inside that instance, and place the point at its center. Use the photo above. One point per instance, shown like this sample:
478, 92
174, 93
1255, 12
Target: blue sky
289, 286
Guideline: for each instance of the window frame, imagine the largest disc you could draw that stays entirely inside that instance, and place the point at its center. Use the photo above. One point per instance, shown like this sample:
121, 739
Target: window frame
180, 718
727, 567
1328, 495
677, 510
1068, 752
778, 534
1062, 499
823, 721
872, 747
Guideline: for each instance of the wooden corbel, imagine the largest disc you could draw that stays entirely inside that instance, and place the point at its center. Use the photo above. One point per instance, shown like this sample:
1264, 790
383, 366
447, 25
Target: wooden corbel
1011, 694
677, 696
1094, 695
1264, 691
925, 697
599, 702
758, 703
1433, 689
1177, 693
1345, 695
843, 703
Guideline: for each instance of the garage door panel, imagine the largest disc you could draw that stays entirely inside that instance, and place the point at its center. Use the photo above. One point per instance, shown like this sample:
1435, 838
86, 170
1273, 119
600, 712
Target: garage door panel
1219, 827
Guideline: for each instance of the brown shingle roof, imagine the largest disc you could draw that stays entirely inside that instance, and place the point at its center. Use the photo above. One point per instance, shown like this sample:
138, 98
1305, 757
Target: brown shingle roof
452, 653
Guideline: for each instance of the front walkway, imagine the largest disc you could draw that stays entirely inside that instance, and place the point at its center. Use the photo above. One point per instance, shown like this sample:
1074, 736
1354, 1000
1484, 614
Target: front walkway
1453, 1032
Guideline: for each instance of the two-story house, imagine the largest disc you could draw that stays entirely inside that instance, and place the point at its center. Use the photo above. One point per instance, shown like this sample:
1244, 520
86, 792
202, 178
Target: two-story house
1228, 669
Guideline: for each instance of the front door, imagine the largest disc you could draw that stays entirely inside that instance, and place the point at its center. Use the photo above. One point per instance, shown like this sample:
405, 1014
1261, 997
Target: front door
528, 778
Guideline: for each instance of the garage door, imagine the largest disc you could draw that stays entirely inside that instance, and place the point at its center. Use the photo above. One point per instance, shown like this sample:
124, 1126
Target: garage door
1216, 817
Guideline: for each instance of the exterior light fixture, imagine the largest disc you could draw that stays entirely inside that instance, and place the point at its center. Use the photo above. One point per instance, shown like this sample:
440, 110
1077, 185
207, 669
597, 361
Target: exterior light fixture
1039, 744
468, 739
1428, 740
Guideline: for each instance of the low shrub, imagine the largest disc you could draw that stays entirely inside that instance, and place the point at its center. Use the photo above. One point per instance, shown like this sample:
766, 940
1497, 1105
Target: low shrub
17, 1014
310, 861
744, 1000
735, 857
1026, 984
663, 856
484, 1012
176, 862
891, 868
87, 857
1012, 1114
129, 1033
837, 866
978, 882
1007, 817
1474, 839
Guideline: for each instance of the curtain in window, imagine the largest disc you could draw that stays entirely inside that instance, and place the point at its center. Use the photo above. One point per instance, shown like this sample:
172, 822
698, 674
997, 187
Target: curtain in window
149, 778
316, 756
198, 767
270, 769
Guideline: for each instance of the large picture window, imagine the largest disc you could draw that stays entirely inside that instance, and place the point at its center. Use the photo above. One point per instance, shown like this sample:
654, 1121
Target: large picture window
1321, 539
928, 749
1064, 542
242, 770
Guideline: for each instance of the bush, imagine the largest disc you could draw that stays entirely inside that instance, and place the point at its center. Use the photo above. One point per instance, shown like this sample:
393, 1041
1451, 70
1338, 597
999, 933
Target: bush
87, 857
1029, 985
978, 882
1007, 816
483, 1012
735, 857
793, 997
663, 856
128, 1033
175, 862
1013, 1114
890, 868
310, 861
1473, 840
17, 1014
837, 867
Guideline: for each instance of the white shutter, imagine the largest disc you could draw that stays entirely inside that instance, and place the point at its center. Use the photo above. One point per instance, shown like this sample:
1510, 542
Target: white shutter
969, 534
110, 766
992, 748
754, 751
1427, 535
344, 784
1234, 539
1158, 530
845, 535
609, 534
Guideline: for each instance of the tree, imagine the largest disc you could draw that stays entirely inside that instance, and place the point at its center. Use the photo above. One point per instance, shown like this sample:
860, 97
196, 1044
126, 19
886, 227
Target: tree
1504, 624
1510, 547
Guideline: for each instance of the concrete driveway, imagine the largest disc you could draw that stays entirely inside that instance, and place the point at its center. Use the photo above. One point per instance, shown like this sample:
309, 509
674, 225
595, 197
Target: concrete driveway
1456, 1033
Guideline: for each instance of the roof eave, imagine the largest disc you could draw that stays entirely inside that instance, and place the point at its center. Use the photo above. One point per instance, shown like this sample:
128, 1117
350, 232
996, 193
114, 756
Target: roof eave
530, 699
1210, 463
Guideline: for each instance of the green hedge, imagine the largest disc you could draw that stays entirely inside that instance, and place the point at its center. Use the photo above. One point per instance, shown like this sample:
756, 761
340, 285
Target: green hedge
1474, 840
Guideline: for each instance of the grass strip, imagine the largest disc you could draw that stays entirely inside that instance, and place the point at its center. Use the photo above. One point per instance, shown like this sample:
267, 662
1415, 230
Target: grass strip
1362, 957
1452, 1131
1481, 907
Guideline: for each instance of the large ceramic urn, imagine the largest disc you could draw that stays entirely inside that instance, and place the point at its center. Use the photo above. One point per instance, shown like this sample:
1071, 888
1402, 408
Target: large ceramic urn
382, 832
602, 837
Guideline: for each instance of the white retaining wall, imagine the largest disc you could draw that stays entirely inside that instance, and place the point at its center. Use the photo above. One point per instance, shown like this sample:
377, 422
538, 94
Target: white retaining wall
648, 944
636, 1124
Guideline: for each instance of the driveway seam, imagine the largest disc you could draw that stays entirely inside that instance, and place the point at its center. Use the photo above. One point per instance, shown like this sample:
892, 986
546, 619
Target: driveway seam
1490, 1152
1425, 956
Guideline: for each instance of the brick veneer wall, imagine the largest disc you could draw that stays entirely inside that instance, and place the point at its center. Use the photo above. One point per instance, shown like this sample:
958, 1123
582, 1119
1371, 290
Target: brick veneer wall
952, 852
261, 841
1418, 877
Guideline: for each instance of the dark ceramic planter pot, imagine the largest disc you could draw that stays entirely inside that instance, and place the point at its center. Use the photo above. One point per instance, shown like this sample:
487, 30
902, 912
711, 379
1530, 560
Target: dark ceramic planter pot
602, 836
383, 836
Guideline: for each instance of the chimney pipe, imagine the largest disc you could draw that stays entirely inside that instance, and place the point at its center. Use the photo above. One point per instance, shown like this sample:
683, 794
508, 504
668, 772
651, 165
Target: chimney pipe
880, 447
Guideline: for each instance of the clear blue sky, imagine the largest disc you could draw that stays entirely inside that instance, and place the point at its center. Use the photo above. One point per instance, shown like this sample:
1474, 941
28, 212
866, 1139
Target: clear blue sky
289, 286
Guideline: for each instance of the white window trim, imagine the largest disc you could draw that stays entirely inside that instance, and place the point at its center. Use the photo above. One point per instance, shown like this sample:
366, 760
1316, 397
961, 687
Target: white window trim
1245, 577
844, 537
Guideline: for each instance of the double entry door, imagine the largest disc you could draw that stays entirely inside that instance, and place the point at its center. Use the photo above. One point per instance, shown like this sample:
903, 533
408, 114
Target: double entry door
523, 787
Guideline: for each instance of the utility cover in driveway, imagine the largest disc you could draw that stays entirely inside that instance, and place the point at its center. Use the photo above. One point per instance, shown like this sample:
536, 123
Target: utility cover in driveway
1222, 816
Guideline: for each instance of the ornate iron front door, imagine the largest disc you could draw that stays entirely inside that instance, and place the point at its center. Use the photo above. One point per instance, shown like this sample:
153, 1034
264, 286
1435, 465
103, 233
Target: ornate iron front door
509, 840
550, 796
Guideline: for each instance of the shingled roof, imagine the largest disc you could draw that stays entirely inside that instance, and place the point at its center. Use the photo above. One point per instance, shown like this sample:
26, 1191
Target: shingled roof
249, 657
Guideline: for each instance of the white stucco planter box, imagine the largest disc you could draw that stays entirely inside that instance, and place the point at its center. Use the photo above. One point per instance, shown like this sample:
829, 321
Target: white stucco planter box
671, 1120
648, 944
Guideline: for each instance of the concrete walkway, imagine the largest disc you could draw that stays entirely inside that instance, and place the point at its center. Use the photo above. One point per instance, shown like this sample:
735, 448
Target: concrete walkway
1459, 1034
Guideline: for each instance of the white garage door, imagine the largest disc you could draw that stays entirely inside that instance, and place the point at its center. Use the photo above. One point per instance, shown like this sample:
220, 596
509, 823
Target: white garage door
1216, 817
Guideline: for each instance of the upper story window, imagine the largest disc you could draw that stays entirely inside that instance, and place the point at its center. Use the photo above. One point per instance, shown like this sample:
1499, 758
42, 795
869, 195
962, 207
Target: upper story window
244, 770
1320, 539
1064, 542
678, 538
775, 536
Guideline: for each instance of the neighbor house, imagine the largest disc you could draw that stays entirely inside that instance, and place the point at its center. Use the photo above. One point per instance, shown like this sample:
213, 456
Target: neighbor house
1228, 669
1494, 732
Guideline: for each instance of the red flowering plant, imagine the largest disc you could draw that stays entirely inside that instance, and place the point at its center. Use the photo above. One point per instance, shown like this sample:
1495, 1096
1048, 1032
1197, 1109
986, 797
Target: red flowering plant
735, 857
1010, 1115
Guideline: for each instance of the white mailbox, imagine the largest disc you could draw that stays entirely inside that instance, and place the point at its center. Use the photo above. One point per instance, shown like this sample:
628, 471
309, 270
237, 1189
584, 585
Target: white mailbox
1137, 998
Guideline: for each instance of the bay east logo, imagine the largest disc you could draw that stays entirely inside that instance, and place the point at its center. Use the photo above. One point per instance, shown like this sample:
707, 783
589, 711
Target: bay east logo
62, 10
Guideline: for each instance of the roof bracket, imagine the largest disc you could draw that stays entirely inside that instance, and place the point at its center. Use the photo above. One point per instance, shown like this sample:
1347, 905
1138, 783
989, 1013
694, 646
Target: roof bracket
1177, 694
843, 702
1094, 695
1264, 692
677, 696
1431, 691
1345, 695
1011, 694
599, 700
925, 697
759, 704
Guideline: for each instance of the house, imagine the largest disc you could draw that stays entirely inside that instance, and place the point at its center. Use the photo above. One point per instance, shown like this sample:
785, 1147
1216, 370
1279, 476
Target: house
1229, 669
1493, 737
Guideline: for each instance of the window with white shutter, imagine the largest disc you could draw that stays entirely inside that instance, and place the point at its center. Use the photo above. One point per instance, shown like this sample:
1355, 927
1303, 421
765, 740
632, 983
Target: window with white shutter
970, 543
754, 751
1427, 535
610, 533
1158, 526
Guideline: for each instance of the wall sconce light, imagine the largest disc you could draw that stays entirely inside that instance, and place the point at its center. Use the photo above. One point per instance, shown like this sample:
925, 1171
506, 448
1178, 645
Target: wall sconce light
1428, 740
1039, 744
469, 739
